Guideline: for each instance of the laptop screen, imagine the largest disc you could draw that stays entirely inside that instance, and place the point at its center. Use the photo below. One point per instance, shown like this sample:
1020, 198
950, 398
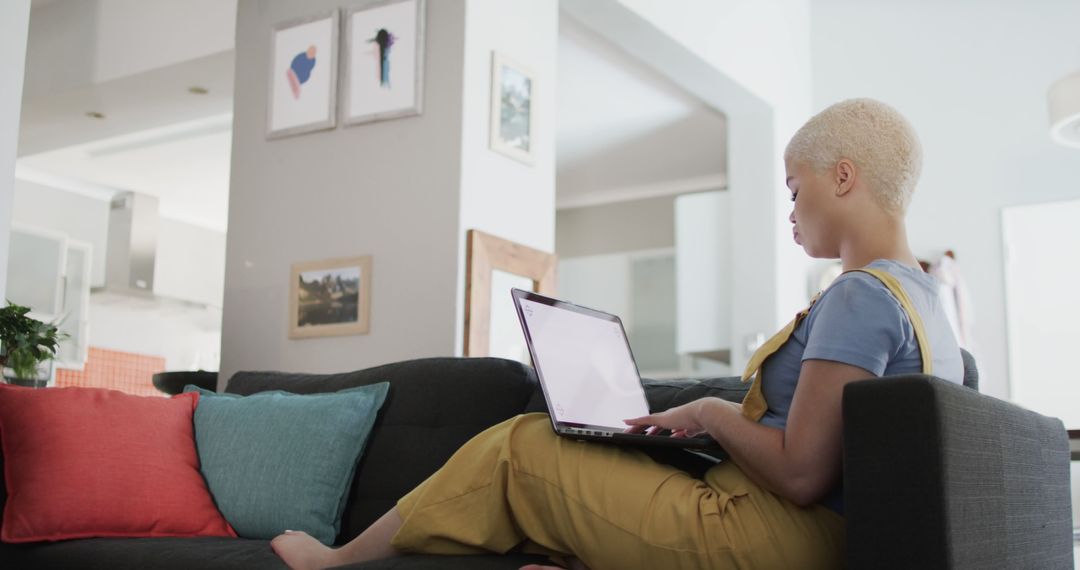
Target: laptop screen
585, 364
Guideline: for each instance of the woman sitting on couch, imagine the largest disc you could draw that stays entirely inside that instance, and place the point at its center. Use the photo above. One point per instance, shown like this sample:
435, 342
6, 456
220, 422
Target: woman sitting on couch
777, 503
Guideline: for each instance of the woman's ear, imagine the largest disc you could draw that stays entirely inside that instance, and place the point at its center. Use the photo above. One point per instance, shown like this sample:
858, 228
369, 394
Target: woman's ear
845, 176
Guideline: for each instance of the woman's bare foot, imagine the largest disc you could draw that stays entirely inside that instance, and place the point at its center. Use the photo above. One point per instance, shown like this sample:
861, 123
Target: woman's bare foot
302, 552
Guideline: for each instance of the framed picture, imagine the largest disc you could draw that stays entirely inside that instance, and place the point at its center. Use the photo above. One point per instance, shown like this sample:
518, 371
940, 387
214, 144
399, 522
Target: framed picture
511, 108
331, 297
384, 69
493, 265
303, 76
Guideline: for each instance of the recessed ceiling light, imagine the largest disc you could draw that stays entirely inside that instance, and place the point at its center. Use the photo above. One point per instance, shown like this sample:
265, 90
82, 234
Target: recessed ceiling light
196, 90
95, 115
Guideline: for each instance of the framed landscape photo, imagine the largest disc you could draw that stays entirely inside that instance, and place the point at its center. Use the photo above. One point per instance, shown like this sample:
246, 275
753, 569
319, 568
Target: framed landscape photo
331, 297
511, 108
384, 66
303, 76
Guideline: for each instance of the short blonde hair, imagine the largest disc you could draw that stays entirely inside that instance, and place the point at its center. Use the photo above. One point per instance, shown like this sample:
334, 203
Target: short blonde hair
873, 135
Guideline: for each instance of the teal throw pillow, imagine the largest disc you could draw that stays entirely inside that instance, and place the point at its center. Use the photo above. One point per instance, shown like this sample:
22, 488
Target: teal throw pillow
276, 460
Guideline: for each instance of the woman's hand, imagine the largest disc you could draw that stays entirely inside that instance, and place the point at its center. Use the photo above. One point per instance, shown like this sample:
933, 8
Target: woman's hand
688, 420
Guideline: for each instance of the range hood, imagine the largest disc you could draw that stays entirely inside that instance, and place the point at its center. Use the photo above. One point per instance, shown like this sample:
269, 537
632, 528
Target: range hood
132, 245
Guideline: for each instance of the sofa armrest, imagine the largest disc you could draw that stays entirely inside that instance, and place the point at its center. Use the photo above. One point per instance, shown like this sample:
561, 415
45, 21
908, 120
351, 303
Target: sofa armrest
939, 476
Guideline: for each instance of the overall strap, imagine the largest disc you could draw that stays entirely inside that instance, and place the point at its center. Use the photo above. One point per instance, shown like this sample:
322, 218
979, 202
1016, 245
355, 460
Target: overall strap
754, 404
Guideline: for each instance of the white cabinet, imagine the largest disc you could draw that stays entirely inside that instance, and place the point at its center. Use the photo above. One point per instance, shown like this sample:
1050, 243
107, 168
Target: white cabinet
36, 265
50, 274
703, 275
75, 319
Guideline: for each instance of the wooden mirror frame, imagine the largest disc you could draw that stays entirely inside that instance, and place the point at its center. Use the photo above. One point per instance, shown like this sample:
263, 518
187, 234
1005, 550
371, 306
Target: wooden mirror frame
484, 253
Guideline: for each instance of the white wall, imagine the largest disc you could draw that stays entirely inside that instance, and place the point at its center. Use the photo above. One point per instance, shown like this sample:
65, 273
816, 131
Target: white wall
388, 189
14, 23
620, 227
500, 195
190, 263
189, 338
972, 76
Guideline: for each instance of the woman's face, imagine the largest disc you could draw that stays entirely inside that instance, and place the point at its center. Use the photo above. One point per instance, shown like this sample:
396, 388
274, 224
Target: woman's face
813, 227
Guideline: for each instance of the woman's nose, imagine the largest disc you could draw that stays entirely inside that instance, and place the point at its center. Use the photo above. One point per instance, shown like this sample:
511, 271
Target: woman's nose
791, 218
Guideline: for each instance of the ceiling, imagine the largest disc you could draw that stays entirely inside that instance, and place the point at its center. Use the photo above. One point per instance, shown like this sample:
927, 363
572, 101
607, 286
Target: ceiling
617, 125
108, 103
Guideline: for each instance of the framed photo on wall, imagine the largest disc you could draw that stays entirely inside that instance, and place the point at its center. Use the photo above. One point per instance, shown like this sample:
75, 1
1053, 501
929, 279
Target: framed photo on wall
303, 76
330, 297
384, 67
511, 108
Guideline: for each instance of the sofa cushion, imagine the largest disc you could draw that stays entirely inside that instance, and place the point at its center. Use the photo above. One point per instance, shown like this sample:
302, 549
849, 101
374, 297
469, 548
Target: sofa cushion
665, 394
83, 462
433, 407
276, 461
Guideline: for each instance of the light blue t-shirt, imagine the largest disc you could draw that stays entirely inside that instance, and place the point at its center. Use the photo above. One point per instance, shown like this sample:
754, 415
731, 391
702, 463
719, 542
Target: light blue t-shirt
858, 321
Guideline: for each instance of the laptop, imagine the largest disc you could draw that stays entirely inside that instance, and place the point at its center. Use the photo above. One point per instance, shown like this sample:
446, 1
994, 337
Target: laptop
587, 373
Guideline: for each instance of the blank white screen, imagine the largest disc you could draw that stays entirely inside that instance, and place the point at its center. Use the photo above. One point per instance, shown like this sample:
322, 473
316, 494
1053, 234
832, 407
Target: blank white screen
589, 374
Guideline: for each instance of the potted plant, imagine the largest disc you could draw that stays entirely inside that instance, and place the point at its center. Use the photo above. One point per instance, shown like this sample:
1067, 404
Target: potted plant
25, 344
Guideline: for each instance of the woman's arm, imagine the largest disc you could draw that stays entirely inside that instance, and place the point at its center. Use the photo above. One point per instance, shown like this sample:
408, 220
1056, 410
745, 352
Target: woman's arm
801, 463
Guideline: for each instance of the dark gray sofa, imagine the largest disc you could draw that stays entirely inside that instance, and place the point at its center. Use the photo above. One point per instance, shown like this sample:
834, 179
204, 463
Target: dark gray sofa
936, 475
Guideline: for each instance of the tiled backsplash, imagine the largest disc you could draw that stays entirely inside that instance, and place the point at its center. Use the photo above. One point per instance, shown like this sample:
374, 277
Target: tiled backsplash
125, 371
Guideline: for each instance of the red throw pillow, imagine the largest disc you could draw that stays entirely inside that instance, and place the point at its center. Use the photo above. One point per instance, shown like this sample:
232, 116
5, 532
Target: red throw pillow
84, 462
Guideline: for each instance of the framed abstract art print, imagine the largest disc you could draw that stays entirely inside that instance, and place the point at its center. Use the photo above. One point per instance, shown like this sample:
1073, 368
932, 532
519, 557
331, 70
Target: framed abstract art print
384, 61
303, 76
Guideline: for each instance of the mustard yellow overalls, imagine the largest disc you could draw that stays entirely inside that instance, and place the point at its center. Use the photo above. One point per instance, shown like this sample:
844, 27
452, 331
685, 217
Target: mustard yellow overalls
615, 508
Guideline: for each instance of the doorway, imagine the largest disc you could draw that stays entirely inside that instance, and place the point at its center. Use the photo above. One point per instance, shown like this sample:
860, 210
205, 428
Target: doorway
630, 143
